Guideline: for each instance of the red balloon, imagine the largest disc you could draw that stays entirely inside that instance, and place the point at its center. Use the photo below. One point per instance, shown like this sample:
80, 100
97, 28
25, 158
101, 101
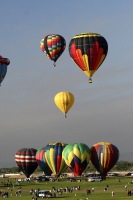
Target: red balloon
40, 157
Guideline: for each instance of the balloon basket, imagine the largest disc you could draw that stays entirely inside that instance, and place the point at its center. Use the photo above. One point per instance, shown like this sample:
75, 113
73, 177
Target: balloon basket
90, 80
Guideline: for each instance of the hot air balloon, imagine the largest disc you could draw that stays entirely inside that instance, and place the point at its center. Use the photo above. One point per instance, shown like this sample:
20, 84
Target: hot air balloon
53, 156
104, 156
4, 62
64, 101
77, 157
40, 157
53, 46
88, 51
26, 160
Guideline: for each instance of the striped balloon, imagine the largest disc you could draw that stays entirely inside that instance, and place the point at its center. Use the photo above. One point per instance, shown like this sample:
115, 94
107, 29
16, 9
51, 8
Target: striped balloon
53, 156
77, 157
53, 46
104, 156
40, 157
26, 160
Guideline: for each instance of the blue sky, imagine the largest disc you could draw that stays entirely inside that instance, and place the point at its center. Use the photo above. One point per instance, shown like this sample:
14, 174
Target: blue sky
102, 110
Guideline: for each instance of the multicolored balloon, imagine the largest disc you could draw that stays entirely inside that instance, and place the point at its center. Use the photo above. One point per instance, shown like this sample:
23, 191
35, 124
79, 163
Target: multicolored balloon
53, 46
53, 156
88, 51
4, 62
64, 101
40, 157
26, 160
77, 157
104, 156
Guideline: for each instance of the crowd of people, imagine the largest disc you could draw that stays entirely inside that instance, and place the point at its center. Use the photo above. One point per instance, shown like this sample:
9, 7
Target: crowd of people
10, 189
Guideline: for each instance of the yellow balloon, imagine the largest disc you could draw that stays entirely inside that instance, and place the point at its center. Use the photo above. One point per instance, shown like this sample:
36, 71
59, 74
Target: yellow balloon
64, 101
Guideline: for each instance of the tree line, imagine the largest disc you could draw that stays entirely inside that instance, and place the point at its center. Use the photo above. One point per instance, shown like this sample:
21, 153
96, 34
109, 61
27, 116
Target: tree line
120, 166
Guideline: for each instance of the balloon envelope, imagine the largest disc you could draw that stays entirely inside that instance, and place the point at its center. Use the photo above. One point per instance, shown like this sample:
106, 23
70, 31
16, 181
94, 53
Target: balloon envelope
88, 51
4, 62
53, 46
53, 156
77, 157
40, 157
104, 156
64, 101
26, 160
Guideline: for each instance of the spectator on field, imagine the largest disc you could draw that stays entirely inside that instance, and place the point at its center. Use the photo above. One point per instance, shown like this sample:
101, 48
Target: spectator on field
88, 192
112, 193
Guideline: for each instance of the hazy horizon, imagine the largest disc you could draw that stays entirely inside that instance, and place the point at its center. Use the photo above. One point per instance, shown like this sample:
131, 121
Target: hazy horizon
123, 157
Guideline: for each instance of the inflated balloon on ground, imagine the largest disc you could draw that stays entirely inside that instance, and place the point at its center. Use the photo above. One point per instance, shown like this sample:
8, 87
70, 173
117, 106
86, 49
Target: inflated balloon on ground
40, 157
77, 157
53, 157
104, 156
26, 160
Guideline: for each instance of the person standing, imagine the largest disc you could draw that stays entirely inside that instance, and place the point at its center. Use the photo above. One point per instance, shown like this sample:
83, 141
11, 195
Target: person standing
112, 193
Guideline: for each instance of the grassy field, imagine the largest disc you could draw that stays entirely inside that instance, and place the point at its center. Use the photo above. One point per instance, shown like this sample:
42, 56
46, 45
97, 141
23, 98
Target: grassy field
116, 184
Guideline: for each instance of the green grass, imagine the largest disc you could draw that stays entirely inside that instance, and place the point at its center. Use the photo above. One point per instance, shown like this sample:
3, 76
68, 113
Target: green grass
98, 194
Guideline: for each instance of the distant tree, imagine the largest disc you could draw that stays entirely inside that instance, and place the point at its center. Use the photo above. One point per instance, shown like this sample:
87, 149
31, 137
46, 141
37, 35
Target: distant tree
90, 168
14, 169
121, 166
38, 169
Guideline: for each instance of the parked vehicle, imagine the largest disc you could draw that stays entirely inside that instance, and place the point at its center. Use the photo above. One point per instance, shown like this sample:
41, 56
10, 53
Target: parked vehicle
2, 176
45, 194
112, 174
41, 178
93, 179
